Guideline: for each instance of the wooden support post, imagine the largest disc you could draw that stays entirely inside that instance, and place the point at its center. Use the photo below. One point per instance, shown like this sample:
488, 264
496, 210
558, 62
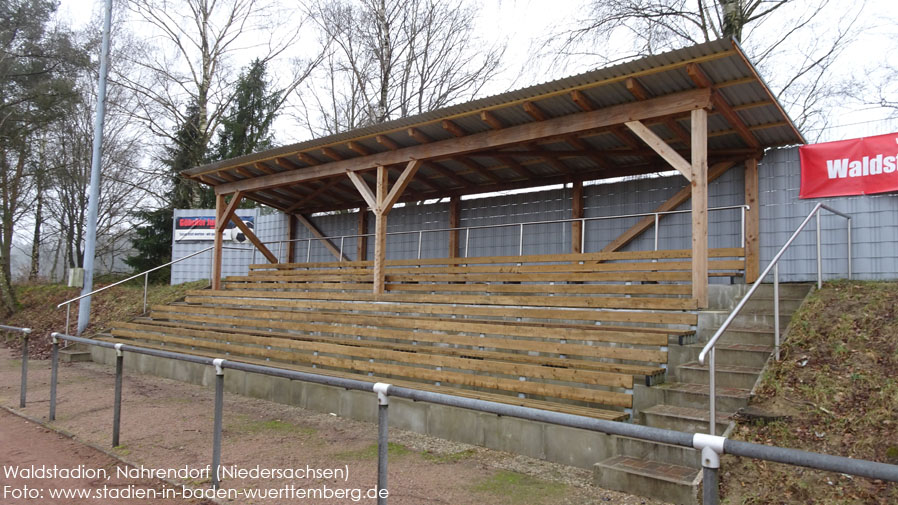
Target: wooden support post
577, 213
362, 245
699, 181
217, 244
454, 222
254, 239
291, 236
380, 230
752, 221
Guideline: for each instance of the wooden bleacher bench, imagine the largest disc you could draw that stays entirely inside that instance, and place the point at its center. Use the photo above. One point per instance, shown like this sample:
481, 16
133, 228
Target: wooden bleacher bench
567, 332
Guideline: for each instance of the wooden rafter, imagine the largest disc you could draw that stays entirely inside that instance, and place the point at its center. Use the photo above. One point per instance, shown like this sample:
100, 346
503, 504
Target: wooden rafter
449, 174
453, 128
578, 143
477, 167
330, 153
534, 111
419, 136
358, 148
387, 142
516, 166
308, 159
528, 132
638, 90
283, 163
699, 77
492, 120
314, 195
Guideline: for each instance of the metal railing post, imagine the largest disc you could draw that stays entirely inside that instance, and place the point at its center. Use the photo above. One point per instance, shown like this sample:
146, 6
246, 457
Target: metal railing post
420, 239
712, 389
776, 311
582, 235
819, 255
146, 282
341, 246
656, 231
68, 311
216, 430
742, 227
521, 241
24, 386
710, 474
383, 403
54, 375
280, 247
253, 260
467, 240
117, 408
309, 250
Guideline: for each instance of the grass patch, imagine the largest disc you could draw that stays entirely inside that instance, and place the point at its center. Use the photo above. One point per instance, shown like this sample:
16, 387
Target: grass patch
370, 452
453, 457
837, 381
520, 488
247, 425
122, 450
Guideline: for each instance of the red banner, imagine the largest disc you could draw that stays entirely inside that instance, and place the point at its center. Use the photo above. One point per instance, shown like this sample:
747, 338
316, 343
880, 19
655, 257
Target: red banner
850, 167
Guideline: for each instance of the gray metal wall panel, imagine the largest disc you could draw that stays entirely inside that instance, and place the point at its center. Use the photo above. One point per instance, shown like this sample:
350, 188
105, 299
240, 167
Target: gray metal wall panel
234, 262
874, 226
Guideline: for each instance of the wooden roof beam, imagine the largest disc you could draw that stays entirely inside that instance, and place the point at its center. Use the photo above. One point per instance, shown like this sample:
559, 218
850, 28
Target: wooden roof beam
516, 166
557, 127
638, 90
449, 174
358, 148
453, 128
598, 159
701, 79
387, 142
477, 167
308, 159
330, 153
662, 148
419, 136
535, 111
315, 195
492, 120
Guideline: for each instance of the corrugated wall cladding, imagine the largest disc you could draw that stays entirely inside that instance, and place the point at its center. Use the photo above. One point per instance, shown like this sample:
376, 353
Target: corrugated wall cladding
874, 227
875, 233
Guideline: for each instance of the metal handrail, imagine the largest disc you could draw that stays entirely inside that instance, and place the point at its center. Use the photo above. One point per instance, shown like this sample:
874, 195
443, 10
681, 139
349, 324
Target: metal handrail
709, 350
710, 446
146, 280
467, 229
24, 384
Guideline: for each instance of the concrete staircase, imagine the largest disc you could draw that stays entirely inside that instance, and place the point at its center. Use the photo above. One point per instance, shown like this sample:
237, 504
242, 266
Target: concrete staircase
673, 474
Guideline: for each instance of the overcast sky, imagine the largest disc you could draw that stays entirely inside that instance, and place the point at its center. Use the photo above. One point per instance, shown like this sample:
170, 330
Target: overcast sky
523, 22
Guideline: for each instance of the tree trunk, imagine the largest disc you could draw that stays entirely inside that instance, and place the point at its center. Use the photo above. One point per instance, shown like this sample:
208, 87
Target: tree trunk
38, 219
733, 18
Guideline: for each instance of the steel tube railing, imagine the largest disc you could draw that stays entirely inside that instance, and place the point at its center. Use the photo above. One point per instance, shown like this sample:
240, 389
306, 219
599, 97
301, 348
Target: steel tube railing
521, 226
773, 265
710, 446
23, 387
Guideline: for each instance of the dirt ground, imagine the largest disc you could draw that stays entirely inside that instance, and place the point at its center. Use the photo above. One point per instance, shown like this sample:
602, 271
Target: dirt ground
167, 425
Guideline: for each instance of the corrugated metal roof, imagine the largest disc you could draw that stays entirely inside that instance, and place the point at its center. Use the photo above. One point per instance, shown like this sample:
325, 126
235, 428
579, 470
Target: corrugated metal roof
722, 61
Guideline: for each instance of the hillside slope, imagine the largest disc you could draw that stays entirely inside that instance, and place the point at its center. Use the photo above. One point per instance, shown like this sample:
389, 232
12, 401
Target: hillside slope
838, 384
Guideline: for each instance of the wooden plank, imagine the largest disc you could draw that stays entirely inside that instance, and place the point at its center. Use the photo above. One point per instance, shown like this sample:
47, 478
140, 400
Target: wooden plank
324, 240
723, 107
352, 339
283, 319
468, 393
421, 357
217, 243
726, 252
672, 203
399, 186
699, 181
315, 195
752, 223
577, 213
364, 190
254, 239
631, 335
660, 146
570, 124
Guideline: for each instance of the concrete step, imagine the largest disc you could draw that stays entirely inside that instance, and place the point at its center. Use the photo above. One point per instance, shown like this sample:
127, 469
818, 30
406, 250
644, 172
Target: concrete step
740, 335
649, 478
758, 305
666, 453
689, 395
686, 419
752, 355
712, 320
727, 376
73, 354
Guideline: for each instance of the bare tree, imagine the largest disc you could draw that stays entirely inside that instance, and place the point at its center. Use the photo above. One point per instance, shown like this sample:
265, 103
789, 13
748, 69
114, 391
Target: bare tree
796, 44
393, 58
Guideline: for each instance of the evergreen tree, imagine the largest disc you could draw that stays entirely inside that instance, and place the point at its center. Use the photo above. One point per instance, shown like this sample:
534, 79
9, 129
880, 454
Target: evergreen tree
188, 151
152, 243
247, 127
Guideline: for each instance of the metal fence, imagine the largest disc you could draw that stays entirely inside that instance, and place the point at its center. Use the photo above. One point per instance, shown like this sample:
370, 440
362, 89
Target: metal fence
24, 384
711, 446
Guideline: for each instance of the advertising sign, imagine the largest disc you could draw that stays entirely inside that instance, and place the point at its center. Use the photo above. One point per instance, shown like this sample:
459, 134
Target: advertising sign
203, 228
849, 167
